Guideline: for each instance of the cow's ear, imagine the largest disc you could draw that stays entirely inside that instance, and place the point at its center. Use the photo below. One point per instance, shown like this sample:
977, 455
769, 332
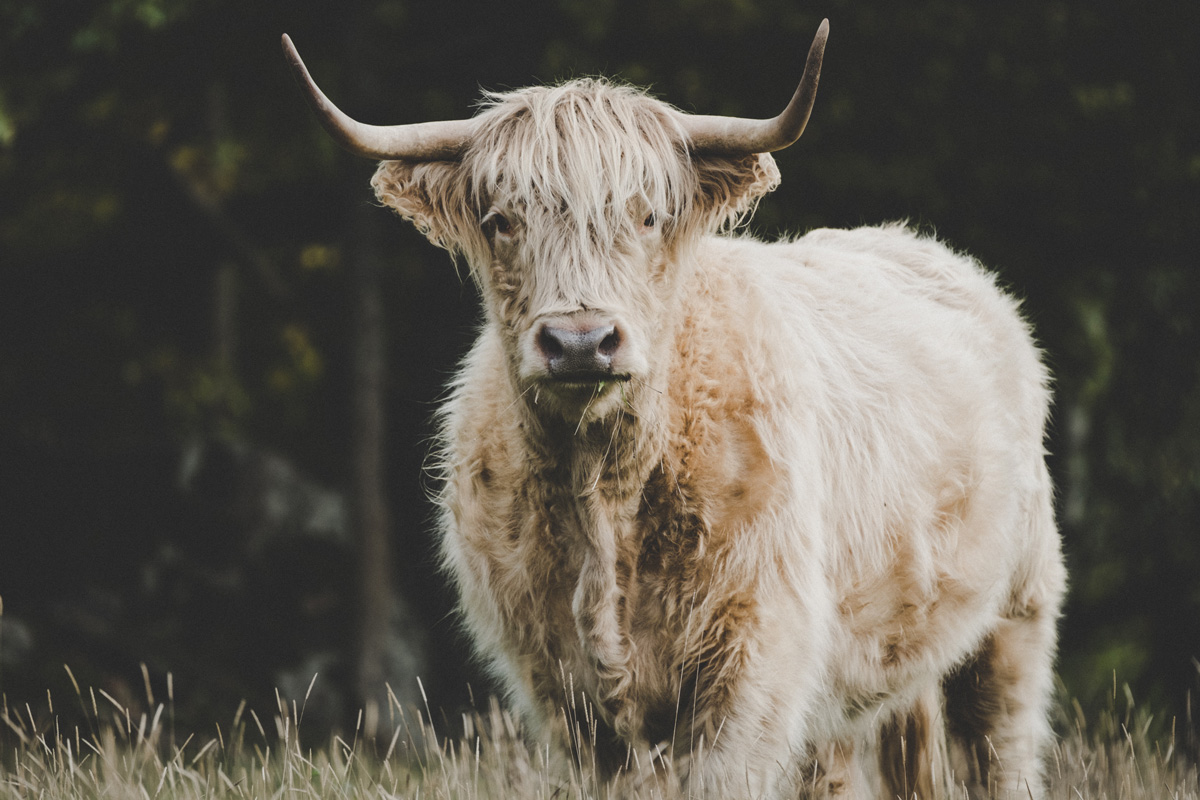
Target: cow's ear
729, 188
433, 195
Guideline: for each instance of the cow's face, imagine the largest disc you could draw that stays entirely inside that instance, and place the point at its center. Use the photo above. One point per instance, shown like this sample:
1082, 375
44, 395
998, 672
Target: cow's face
580, 304
577, 208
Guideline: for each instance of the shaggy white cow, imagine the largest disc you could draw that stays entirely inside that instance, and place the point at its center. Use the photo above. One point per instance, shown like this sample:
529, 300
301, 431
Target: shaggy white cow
777, 510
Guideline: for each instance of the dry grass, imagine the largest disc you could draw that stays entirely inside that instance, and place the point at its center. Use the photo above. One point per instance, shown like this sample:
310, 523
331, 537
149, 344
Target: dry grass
119, 754
1125, 755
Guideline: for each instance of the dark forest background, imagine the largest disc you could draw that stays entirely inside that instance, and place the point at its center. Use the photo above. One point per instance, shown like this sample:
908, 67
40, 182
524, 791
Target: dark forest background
218, 358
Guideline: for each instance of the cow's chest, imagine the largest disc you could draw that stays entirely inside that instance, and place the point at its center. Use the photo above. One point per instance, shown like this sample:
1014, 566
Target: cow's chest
624, 650
608, 577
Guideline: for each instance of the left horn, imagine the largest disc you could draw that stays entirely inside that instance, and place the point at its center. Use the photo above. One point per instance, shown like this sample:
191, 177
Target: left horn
736, 135
421, 141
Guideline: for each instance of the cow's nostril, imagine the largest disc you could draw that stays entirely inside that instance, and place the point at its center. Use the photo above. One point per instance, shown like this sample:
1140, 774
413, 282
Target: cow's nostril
610, 343
550, 344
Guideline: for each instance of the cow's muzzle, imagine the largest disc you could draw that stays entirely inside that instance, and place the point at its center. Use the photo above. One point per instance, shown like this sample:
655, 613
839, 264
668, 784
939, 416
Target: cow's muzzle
581, 350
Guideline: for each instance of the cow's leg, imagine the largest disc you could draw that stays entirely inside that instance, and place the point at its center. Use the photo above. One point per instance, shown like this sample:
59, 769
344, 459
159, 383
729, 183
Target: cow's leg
912, 751
996, 709
834, 773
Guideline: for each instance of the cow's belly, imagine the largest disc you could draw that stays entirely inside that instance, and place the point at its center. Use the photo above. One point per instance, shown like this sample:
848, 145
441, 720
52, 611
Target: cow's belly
895, 642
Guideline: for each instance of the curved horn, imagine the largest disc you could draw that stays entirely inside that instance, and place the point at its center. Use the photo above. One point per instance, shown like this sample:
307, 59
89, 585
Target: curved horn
731, 135
422, 141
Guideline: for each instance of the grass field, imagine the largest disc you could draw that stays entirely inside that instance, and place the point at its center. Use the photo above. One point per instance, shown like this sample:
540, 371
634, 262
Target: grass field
1119, 753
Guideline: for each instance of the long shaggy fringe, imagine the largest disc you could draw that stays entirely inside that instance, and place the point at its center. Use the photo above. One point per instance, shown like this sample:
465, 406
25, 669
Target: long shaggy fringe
562, 160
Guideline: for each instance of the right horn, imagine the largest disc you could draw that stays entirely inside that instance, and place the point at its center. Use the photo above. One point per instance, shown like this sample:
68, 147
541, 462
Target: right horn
421, 141
736, 135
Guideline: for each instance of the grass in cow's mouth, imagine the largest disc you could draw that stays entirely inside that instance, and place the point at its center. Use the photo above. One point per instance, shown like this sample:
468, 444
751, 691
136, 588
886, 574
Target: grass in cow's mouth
1120, 753
590, 381
581, 385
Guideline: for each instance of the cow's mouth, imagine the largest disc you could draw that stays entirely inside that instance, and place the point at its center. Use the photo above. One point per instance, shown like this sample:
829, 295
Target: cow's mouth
589, 380
583, 387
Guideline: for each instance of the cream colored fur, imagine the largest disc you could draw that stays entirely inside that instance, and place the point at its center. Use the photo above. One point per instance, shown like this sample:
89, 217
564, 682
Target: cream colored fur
808, 547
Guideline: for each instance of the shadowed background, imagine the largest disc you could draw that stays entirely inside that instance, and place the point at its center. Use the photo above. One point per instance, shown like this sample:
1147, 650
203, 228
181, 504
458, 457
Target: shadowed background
218, 358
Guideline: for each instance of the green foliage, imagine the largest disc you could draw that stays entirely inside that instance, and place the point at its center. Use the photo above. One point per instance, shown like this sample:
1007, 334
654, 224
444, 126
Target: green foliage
107, 26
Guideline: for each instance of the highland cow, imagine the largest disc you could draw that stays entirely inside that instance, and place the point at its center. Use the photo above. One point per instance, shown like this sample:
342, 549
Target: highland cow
778, 513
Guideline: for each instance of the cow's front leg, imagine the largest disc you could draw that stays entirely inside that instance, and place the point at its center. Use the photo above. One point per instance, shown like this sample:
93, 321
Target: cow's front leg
755, 746
833, 772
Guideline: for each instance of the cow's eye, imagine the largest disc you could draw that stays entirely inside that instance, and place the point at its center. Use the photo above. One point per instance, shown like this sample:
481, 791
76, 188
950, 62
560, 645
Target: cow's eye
497, 223
650, 221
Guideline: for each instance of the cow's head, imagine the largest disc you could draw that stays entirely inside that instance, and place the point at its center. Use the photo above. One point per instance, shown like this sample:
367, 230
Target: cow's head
575, 206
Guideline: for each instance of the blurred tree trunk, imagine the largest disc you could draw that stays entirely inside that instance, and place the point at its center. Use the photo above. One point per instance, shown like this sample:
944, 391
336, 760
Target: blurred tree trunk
225, 276
369, 432
225, 318
391, 646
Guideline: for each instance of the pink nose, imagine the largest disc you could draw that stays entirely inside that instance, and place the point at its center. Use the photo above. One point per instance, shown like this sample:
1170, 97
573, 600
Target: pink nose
579, 353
